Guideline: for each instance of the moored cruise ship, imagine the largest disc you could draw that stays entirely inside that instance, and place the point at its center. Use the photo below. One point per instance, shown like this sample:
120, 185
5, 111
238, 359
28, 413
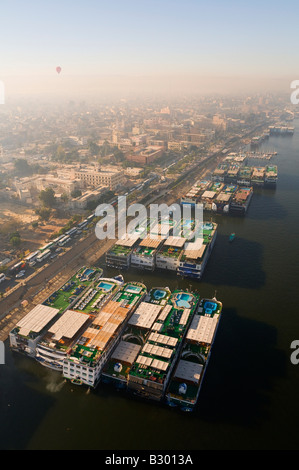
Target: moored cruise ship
271, 175
193, 195
244, 176
232, 172
139, 326
149, 375
258, 176
57, 342
208, 196
84, 363
169, 255
256, 141
119, 255
196, 254
25, 335
29, 332
220, 172
222, 202
241, 200
144, 254
281, 130
187, 378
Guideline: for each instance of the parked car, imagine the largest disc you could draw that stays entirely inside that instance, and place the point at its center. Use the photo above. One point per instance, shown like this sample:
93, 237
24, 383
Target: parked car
20, 274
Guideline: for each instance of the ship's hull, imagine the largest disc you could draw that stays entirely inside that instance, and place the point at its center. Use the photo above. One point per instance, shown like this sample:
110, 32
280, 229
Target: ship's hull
180, 401
236, 208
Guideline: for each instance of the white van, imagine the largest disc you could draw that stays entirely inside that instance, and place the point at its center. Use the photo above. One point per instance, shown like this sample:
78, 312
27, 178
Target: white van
2, 277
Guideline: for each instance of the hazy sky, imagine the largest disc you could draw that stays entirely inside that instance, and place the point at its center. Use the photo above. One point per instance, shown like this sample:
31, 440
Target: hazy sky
141, 38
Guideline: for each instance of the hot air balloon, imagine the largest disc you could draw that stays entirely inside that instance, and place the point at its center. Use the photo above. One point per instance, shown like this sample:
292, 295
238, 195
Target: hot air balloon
58, 69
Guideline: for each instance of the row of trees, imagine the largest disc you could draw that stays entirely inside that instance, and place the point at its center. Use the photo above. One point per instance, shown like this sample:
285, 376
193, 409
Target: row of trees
23, 168
71, 223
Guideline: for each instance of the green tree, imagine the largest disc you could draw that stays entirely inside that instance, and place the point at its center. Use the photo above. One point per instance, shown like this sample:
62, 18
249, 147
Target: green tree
76, 193
47, 196
22, 167
60, 153
118, 154
43, 212
15, 241
94, 148
64, 197
105, 149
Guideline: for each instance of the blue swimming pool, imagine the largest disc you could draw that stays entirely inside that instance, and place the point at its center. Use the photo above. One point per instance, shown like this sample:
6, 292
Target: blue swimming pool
105, 286
87, 273
159, 294
210, 307
133, 289
183, 300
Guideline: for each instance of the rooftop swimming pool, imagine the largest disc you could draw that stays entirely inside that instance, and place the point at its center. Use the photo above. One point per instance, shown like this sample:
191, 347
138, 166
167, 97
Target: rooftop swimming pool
133, 289
159, 294
209, 307
87, 273
183, 300
105, 286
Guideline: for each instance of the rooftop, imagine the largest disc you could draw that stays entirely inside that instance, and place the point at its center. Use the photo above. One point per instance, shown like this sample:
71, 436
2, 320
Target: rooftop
36, 320
107, 322
73, 289
166, 334
145, 315
68, 324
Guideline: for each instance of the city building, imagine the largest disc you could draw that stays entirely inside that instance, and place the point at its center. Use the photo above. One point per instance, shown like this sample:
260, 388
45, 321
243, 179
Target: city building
146, 155
93, 177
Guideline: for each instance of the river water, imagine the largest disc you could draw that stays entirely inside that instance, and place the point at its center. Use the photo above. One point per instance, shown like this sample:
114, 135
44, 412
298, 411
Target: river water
249, 399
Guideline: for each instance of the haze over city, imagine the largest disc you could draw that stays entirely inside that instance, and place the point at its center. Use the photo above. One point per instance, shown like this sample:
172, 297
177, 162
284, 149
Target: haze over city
142, 46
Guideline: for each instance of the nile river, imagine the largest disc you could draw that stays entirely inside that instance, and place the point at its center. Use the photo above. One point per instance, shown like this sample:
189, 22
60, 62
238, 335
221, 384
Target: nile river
249, 399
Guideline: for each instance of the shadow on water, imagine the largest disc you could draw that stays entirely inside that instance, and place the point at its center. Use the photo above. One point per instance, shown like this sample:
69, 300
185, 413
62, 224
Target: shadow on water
288, 182
236, 264
241, 371
264, 206
22, 408
236, 391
